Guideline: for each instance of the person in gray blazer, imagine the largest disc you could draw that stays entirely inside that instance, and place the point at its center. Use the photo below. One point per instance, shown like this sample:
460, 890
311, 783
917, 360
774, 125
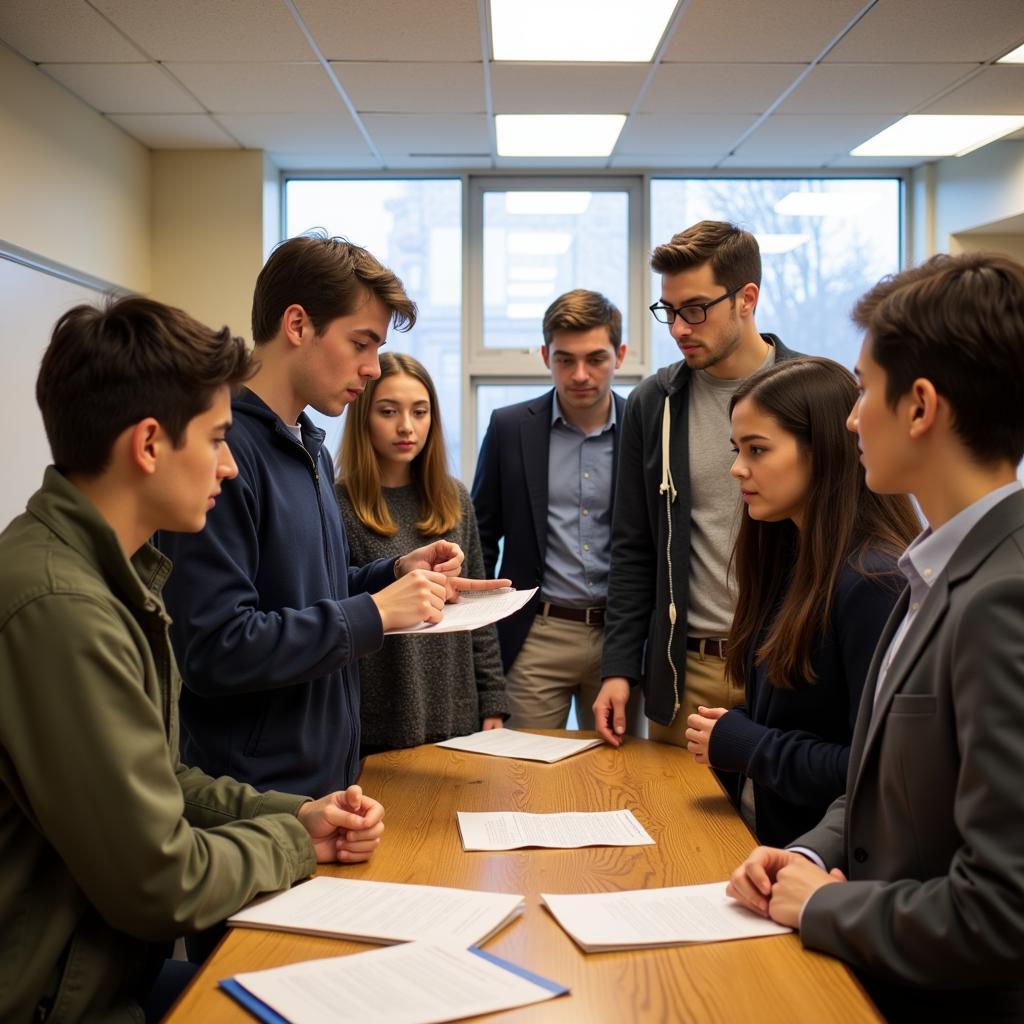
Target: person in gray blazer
915, 877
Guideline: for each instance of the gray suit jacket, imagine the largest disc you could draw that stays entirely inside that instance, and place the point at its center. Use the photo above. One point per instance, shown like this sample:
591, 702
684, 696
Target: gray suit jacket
930, 831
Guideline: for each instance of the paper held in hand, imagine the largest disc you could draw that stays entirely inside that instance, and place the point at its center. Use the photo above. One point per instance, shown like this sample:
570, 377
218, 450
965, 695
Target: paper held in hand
417, 983
568, 830
522, 745
384, 912
473, 610
645, 918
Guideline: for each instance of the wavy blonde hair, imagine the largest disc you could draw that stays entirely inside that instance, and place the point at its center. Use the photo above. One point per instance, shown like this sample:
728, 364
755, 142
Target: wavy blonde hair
358, 467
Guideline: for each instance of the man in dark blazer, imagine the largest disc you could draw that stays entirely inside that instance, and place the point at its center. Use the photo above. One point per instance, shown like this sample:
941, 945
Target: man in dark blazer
544, 485
916, 876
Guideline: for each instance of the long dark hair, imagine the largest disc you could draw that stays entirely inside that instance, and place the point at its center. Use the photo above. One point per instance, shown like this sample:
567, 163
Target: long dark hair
788, 574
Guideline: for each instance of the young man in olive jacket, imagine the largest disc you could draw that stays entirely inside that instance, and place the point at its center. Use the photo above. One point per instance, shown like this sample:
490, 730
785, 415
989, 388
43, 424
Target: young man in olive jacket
110, 847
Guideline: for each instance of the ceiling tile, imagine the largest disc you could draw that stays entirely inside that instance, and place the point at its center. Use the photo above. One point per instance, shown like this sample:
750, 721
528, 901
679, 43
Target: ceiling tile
831, 134
718, 88
260, 88
566, 89
794, 31
392, 87
812, 160
125, 88
297, 133
402, 161
996, 90
870, 88
198, 30
426, 133
893, 163
325, 161
445, 30
682, 134
906, 31
662, 161
175, 131
55, 30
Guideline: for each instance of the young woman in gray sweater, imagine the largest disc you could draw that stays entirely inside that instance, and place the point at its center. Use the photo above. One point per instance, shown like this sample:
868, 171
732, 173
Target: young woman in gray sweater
394, 489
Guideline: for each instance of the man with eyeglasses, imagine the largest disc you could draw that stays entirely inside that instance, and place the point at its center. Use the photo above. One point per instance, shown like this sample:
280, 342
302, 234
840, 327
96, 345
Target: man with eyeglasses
676, 510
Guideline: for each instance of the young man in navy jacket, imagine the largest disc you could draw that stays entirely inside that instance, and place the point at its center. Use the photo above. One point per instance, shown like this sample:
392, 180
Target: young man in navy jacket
269, 618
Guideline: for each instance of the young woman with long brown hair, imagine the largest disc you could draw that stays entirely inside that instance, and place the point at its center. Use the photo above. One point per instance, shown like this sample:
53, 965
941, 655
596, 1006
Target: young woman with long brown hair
394, 487
816, 577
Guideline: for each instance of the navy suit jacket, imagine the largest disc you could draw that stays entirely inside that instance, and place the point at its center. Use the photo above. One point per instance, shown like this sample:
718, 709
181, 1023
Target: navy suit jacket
510, 493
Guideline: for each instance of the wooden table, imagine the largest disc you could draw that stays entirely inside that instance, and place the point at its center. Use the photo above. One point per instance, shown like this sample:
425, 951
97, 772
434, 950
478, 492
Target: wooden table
698, 836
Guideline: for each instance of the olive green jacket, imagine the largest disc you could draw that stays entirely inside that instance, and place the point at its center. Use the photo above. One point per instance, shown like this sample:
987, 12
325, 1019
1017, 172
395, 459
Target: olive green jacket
109, 846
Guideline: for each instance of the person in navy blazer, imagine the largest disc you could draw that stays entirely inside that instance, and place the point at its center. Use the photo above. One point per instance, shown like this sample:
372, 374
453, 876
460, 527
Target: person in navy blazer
544, 486
915, 876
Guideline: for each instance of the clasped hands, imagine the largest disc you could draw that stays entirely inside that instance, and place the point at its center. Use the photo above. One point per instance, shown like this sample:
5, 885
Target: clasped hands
428, 577
344, 826
777, 883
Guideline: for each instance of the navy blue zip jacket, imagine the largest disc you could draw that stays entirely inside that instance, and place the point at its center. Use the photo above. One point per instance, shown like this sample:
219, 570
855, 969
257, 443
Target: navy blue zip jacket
265, 631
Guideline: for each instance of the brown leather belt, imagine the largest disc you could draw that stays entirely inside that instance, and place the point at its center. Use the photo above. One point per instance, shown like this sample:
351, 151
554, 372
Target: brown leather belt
708, 645
589, 616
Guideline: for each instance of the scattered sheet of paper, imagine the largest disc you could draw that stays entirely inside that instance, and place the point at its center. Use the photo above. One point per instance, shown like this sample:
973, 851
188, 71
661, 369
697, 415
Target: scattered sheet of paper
474, 610
384, 912
416, 983
526, 746
656, 917
509, 830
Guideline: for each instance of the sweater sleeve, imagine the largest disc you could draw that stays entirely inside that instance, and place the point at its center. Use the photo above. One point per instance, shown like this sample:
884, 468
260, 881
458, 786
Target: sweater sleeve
798, 765
490, 679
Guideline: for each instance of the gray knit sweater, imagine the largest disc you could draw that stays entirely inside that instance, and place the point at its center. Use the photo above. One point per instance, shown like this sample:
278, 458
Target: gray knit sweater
421, 689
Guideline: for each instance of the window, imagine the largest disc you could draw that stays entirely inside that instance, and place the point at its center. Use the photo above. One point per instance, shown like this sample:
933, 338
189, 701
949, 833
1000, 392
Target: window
414, 226
824, 242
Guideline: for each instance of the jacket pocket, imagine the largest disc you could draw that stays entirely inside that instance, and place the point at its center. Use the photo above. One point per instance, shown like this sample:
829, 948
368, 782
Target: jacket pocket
913, 704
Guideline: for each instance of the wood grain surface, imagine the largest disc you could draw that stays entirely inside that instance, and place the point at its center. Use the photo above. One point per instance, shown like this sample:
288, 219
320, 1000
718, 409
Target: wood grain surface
698, 837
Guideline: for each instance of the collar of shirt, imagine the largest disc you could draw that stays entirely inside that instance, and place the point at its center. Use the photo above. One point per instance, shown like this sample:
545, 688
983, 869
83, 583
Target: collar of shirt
929, 553
556, 416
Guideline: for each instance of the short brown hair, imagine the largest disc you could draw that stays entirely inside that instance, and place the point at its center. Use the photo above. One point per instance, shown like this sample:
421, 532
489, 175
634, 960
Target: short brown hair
109, 367
581, 310
734, 254
957, 321
328, 278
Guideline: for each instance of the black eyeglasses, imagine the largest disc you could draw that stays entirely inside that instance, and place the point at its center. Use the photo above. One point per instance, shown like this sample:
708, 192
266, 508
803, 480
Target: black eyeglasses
692, 313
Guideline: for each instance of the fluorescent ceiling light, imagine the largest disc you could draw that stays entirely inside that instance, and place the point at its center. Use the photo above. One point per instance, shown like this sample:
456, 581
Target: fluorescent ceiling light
780, 243
824, 204
546, 202
525, 310
939, 134
1013, 57
557, 134
538, 243
532, 273
578, 30
530, 290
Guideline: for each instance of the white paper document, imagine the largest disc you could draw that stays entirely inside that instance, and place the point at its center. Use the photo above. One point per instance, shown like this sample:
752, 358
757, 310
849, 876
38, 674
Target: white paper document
525, 746
473, 610
416, 983
509, 830
384, 912
656, 917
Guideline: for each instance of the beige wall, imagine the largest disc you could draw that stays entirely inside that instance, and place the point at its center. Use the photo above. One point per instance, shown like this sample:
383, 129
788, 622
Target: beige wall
73, 187
208, 232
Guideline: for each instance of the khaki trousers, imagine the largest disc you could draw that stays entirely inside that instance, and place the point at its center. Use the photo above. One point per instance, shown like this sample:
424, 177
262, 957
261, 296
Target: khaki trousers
559, 660
705, 686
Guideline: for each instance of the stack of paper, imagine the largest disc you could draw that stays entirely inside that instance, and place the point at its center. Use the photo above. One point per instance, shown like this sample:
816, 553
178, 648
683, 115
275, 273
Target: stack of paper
656, 917
384, 912
473, 610
522, 745
412, 984
510, 830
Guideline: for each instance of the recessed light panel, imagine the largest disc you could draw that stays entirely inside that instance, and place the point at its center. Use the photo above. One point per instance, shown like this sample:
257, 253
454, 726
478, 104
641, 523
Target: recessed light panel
557, 134
939, 134
578, 30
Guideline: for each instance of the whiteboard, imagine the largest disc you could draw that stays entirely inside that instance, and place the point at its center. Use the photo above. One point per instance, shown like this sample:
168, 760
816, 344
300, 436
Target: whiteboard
33, 295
